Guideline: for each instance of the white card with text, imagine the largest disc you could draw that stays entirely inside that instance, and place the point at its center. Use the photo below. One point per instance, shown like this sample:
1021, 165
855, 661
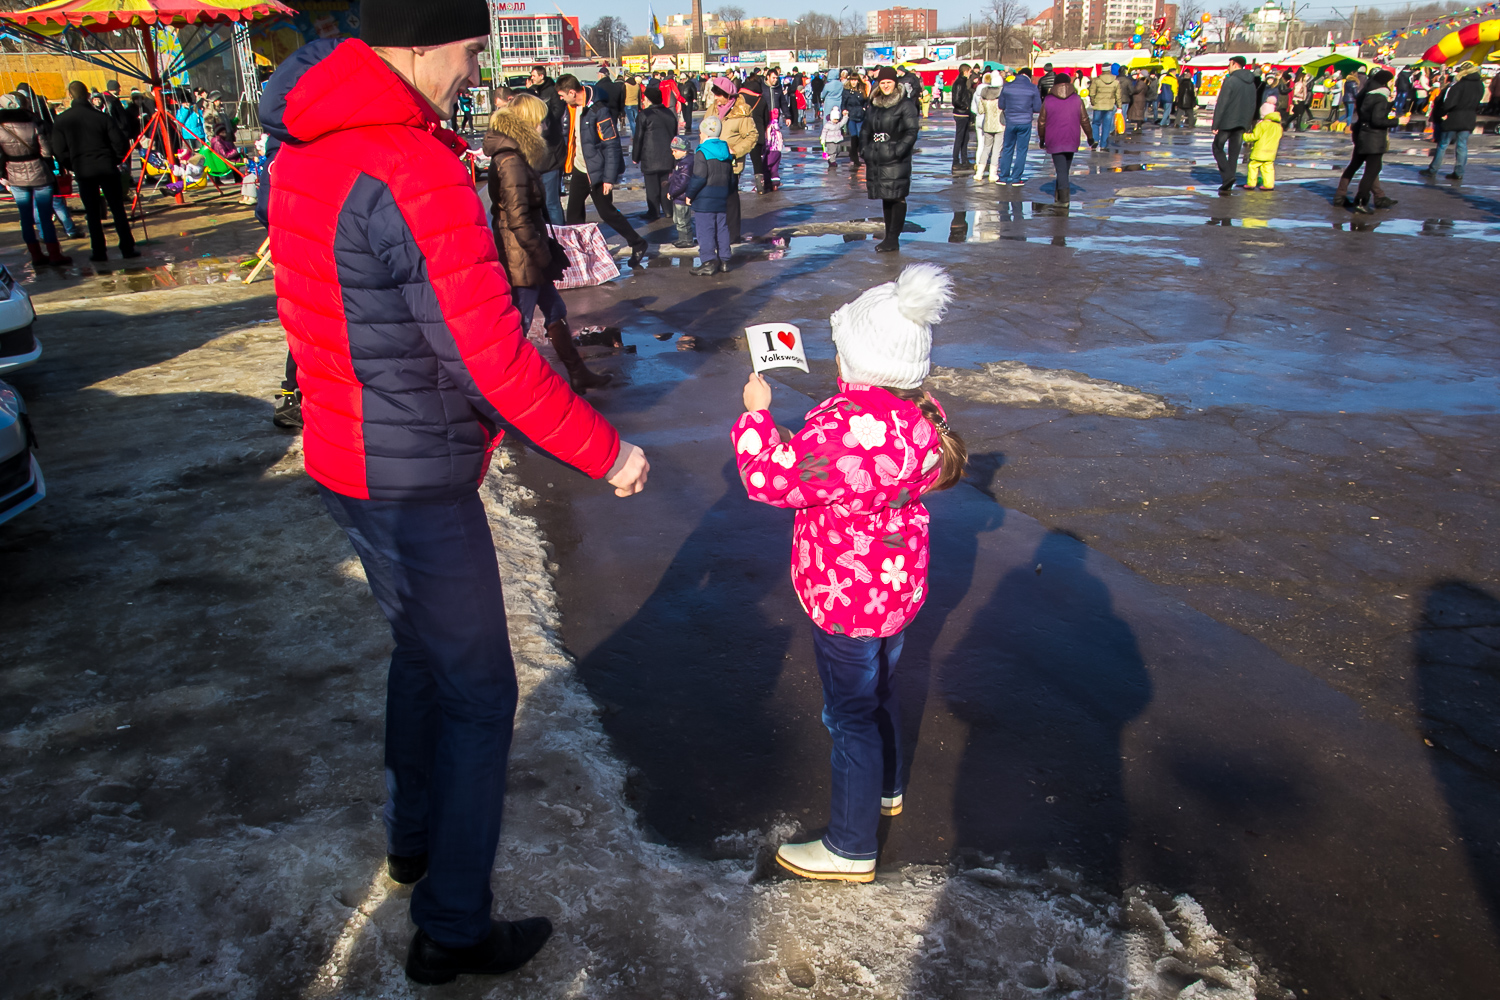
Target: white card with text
776, 345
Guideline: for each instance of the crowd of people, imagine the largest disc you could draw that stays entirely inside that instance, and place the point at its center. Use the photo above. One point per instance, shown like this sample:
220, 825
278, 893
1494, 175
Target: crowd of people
997, 111
48, 152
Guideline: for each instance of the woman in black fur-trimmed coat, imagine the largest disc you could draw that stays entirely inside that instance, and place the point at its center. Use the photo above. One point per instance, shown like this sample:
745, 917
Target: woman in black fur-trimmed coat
890, 136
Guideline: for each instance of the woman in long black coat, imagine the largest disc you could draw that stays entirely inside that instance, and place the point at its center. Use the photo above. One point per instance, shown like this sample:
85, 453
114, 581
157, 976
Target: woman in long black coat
890, 134
1372, 123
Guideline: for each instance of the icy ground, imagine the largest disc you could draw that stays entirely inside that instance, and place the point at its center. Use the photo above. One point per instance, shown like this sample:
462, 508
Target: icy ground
191, 781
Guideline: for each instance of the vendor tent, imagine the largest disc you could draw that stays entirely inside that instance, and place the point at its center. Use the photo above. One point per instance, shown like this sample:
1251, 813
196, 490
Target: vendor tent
1340, 62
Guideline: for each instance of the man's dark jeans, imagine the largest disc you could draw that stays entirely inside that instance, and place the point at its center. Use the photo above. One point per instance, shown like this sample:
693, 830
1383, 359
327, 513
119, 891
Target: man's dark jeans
1228, 158
97, 193
450, 698
962, 126
579, 191
552, 189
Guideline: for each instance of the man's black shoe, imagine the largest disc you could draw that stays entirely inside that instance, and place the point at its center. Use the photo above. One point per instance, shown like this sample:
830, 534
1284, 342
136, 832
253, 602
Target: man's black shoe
1226, 188
509, 946
406, 870
684, 244
288, 416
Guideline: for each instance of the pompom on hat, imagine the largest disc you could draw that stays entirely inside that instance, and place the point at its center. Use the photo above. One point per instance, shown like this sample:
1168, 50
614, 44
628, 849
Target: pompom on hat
884, 337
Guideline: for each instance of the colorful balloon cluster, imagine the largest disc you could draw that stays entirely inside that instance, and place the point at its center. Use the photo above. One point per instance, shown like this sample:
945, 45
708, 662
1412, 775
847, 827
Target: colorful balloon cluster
1191, 37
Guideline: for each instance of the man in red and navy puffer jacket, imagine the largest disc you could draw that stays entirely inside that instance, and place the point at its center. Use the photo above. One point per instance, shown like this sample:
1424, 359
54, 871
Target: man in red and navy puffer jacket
409, 355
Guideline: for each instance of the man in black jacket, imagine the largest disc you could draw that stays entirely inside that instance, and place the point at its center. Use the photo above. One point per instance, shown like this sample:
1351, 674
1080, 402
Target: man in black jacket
611, 93
963, 119
88, 142
1048, 77
759, 98
1454, 117
555, 135
1234, 112
595, 162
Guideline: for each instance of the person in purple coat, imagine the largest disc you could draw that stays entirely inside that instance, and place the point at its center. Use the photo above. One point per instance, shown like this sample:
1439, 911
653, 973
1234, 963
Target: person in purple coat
1061, 127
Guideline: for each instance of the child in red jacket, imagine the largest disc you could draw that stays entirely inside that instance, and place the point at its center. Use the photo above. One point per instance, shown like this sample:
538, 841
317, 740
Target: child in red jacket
855, 474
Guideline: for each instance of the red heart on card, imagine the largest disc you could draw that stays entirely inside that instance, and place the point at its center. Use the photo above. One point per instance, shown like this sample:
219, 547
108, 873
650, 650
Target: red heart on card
787, 338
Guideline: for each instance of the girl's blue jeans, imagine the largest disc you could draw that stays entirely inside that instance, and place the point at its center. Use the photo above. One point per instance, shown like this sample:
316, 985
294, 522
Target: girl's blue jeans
863, 716
35, 201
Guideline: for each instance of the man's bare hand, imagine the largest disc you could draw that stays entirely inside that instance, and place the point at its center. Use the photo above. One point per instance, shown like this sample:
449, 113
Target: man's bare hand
629, 473
607, 186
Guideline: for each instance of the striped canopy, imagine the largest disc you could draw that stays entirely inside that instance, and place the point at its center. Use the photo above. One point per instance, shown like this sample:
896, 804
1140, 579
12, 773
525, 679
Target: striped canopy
1472, 41
117, 15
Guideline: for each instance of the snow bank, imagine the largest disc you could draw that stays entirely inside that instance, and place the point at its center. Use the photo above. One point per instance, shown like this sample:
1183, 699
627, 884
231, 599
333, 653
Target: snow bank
1014, 383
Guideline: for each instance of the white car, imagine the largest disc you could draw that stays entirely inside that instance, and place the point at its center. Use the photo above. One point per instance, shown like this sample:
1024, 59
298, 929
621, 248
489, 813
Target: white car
18, 344
21, 484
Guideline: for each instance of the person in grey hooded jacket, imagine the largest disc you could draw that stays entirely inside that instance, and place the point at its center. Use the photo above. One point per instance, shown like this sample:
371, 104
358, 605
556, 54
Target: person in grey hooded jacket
1233, 113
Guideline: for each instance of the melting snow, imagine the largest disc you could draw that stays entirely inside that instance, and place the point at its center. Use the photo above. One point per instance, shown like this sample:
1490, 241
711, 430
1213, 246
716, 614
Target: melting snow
1014, 383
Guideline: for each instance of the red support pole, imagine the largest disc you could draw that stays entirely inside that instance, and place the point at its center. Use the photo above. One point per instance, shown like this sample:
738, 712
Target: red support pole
169, 154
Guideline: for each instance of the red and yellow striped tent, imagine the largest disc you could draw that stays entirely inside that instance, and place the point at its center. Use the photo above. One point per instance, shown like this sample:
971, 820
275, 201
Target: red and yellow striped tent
1474, 42
121, 15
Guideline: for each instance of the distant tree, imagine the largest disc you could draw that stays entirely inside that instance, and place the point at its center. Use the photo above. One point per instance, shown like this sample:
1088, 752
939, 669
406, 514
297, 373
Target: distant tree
1234, 16
608, 35
1003, 19
734, 23
816, 27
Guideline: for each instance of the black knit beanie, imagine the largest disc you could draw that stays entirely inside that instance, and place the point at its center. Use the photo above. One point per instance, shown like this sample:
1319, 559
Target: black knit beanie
405, 24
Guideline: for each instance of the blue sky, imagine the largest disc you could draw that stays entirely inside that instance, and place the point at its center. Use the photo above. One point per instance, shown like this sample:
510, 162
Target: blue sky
948, 14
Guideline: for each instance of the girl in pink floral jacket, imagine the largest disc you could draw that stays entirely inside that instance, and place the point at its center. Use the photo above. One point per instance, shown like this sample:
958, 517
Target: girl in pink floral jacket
856, 474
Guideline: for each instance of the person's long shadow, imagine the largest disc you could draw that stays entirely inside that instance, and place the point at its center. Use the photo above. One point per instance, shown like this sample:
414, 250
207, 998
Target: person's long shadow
1457, 661
955, 552
689, 681
1046, 678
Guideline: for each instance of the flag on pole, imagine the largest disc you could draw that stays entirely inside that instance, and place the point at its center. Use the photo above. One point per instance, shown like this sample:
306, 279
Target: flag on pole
656, 37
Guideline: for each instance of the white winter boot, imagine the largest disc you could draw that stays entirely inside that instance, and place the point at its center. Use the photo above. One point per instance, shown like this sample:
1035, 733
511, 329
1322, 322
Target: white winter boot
813, 860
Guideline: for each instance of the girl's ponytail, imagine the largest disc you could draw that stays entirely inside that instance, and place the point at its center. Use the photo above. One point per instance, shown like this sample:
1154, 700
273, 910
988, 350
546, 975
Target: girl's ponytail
955, 454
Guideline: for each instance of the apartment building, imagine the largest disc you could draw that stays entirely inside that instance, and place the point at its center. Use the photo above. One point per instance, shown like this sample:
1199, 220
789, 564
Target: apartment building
901, 21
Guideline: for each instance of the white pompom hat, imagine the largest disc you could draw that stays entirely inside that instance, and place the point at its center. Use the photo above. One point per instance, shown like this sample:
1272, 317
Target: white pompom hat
884, 337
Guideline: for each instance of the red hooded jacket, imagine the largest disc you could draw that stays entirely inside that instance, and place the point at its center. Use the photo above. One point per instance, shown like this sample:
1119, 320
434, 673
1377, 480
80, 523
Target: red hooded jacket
409, 351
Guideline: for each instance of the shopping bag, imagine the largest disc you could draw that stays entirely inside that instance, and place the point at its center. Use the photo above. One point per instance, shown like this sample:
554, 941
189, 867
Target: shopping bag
1119, 121
589, 259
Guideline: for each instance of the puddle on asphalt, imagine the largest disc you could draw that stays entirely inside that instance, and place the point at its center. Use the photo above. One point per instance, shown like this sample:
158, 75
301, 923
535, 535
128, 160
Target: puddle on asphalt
1456, 228
1331, 376
144, 277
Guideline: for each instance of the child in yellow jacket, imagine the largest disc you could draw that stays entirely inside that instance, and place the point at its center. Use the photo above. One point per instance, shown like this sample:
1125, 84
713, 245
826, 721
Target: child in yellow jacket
1265, 140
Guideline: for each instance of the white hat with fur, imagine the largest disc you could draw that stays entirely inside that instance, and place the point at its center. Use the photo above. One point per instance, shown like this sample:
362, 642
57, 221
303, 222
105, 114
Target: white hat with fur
884, 337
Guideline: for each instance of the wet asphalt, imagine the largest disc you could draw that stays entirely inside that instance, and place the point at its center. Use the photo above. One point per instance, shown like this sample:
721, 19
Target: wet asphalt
1247, 651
